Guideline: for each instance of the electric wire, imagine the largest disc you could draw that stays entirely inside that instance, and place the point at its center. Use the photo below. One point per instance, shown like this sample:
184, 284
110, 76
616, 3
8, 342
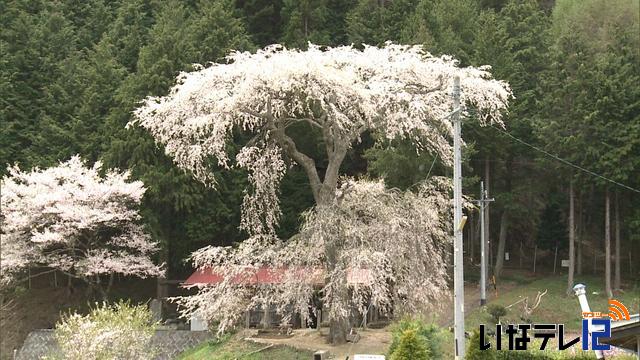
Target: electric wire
566, 162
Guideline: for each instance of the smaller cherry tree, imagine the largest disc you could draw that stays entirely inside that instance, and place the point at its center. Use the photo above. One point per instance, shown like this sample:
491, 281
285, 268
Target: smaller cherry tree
68, 218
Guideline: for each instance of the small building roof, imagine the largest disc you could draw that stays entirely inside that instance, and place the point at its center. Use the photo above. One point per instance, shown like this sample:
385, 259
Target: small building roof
272, 275
625, 333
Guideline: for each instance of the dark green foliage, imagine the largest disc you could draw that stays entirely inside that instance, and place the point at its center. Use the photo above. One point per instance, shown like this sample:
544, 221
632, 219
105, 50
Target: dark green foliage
297, 197
445, 27
306, 21
496, 311
374, 22
474, 352
71, 73
552, 231
263, 20
176, 205
427, 336
400, 165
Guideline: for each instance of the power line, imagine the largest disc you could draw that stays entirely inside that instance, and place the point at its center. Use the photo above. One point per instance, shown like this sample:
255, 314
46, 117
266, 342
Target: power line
566, 162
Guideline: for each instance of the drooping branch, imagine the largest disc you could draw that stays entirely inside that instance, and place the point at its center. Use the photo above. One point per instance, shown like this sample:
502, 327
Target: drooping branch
365, 263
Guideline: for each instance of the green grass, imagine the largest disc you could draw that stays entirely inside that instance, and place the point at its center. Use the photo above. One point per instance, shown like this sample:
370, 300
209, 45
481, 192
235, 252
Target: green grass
232, 347
556, 306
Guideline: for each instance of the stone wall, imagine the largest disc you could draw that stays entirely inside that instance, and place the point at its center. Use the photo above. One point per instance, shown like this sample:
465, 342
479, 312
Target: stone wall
168, 343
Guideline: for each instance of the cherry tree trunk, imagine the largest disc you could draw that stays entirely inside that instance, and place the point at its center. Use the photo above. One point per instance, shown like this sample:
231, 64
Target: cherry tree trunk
338, 328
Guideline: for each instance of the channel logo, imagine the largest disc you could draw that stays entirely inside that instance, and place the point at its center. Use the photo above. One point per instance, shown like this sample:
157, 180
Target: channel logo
595, 326
617, 311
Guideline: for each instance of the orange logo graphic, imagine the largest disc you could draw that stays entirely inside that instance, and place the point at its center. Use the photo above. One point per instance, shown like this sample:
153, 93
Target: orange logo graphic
617, 311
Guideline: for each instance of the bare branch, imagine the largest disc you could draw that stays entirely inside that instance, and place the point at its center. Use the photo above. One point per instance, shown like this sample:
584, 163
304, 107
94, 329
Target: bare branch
417, 88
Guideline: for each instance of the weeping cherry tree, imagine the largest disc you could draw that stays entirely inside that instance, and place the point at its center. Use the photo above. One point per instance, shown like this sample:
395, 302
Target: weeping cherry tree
340, 93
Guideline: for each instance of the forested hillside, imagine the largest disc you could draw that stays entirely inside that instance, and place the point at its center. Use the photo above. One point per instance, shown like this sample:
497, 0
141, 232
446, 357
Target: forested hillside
72, 72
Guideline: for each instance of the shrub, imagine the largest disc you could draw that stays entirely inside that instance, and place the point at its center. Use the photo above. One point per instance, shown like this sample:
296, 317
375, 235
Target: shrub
474, 352
119, 331
496, 312
410, 347
428, 334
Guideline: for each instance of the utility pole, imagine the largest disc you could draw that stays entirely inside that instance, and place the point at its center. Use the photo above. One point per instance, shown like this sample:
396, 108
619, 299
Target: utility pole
458, 255
483, 260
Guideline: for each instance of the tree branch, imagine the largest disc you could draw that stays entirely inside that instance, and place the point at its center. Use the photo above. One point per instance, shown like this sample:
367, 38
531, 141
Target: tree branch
289, 147
416, 88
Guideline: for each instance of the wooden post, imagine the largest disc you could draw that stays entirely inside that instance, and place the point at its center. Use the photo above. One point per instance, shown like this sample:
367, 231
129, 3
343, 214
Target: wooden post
247, 319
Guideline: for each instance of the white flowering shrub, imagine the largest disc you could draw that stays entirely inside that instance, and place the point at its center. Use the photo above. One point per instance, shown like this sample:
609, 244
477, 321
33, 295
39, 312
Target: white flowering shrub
108, 332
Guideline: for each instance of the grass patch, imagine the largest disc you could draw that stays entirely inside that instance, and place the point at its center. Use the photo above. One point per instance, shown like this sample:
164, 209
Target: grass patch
556, 305
232, 347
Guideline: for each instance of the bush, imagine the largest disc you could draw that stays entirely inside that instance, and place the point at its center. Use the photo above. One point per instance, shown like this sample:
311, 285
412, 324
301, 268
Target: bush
427, 334
474, 352
496, 312
410, 347
120, 331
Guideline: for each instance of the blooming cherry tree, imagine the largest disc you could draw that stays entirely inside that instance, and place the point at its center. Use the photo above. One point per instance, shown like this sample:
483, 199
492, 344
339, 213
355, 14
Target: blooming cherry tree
69, 218
341, 93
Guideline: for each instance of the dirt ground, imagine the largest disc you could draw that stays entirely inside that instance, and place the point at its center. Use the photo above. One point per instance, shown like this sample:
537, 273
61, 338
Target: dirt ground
372, 341
471, 301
